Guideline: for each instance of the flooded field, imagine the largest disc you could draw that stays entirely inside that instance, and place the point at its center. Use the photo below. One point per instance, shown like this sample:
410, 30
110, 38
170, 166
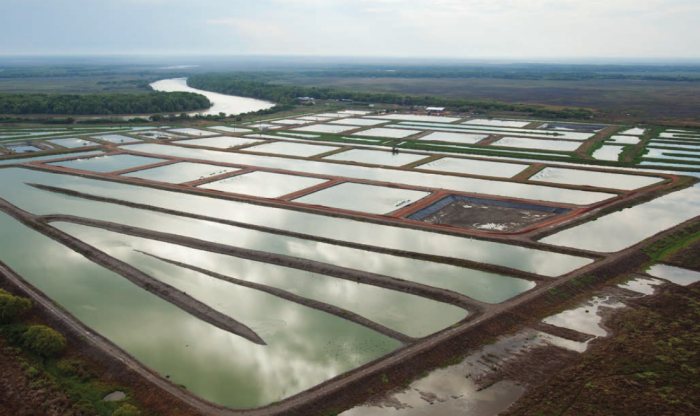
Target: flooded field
261, 264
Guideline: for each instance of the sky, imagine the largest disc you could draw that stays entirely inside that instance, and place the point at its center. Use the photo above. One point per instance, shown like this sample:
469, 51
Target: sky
460, 29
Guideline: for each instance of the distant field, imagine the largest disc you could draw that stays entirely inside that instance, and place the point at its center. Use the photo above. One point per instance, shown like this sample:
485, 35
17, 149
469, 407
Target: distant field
73, 85
642, 99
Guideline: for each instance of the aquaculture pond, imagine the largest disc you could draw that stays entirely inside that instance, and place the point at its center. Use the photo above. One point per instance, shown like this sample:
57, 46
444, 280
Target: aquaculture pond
364, 198
516, 190
621, 229
221, 142
304, 346
474, 167
593, 178
376, 157
313, 225
180, 172
107, 163
263, 184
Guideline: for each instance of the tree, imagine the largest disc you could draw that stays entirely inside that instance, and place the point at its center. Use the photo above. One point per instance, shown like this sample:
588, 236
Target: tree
44, 341
12, 307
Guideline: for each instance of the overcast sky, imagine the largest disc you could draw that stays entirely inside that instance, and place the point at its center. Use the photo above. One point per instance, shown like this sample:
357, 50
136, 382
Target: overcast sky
392, 28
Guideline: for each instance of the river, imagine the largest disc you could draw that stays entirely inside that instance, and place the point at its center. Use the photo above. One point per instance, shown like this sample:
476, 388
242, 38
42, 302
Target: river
222, 103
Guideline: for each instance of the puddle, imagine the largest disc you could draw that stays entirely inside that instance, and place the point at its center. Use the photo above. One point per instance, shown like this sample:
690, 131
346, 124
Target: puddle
586, 318
677, 275
642, 285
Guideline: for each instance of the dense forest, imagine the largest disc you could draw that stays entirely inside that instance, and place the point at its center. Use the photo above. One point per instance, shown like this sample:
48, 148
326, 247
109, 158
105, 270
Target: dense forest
258, 86
91, 104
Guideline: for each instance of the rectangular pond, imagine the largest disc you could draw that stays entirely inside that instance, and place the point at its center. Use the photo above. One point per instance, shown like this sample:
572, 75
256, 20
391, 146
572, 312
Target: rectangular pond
306, 223
180, 172
376, 157
116, 138
592, 178
498, 123
386, 132
554, 145
263, 184
108, 163
230, 129
72, 142
193, 132
326, 128
474, 167
363, 198
622, 229
483, 286
304, 346
489, 187
292, 149
360, 122
608, 152
221, 142
463, 138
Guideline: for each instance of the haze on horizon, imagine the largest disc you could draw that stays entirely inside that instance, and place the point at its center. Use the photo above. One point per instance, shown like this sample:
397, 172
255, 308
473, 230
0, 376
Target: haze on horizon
458, 29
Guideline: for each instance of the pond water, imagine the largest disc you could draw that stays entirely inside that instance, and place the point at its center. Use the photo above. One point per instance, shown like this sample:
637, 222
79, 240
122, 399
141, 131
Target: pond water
636, 131
180, 172
305, 346
420, 118
474, 167
622, 229
72, 143
221, 142
409, 314
498, 123
228, 129
519, 190
556, 145
291, 149
326, 128
608, 152
352, 121
534, 133
22, 148
623, 140
386, 132
263, 184
228, 104
464, 138
376, 157
193, 132
479, 285
364, 198
593, 178
17, 160
108, 163
343, 229
116, 138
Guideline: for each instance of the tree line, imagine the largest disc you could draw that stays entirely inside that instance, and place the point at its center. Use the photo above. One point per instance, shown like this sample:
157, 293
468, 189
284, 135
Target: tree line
256, 86
109, 103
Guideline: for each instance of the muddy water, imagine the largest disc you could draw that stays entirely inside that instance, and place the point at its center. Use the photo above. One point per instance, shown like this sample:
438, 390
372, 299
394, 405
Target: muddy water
531, 260
305, 346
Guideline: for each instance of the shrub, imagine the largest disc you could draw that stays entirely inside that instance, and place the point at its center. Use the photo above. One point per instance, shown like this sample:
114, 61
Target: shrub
127, 410
74, 368
12, 307
44, 341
